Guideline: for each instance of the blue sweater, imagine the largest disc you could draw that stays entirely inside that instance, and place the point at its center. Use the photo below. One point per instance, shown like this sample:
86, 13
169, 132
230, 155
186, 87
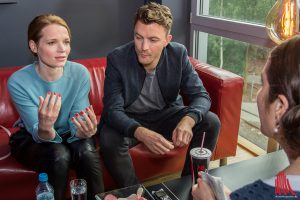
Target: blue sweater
125, 78
25, 86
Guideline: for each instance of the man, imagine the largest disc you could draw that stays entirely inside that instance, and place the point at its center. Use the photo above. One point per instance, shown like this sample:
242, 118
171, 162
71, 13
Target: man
142, 101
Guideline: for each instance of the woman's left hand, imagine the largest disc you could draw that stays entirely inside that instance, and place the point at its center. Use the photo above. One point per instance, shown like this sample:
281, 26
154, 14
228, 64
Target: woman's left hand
202, 191
88, 127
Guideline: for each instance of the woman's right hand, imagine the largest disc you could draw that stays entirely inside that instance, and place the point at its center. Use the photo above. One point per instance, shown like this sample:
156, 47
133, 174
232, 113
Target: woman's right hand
48, 112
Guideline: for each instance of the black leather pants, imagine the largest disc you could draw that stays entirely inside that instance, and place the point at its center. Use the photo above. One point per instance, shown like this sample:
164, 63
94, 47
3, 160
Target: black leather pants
56, 159
114, 147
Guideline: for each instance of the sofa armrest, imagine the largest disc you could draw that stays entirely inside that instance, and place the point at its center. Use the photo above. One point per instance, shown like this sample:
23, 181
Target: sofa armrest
226, 91
4, 141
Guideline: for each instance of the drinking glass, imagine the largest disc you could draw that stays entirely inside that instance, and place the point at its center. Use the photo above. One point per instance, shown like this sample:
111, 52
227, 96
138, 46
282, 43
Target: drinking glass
78, 189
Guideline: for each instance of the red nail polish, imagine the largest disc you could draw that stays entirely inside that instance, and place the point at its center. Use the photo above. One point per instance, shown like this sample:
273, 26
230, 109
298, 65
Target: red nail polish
77, 115
72, 118
49, 93
87, 109
54, 93
59, 95
81, 112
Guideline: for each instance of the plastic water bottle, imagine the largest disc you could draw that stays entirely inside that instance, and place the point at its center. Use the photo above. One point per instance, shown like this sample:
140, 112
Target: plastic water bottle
44, 191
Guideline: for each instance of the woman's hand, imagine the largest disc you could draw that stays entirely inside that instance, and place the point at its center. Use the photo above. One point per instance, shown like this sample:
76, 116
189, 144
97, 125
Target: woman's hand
88, 127
48, 111
202, 191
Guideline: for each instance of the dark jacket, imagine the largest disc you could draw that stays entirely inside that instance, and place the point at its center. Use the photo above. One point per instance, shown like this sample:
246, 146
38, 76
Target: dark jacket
124, 78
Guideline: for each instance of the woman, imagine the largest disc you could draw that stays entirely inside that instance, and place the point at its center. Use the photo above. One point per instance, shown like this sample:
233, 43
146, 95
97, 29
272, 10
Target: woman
51, 96
279, 110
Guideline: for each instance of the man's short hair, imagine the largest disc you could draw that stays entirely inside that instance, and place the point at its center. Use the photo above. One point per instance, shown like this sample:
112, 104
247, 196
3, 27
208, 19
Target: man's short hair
155, 13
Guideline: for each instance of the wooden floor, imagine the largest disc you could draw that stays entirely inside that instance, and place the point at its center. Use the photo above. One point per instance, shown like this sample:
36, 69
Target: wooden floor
241, 154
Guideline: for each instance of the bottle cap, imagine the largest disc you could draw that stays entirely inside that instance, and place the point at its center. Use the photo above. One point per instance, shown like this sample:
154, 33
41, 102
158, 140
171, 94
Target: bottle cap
43, 177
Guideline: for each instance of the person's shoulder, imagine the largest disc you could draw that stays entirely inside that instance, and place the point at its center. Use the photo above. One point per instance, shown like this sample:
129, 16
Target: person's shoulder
176, 49
175, 46
75, 67
124, 49
22, 74
75, 70
256, 184
257, 190
73, 64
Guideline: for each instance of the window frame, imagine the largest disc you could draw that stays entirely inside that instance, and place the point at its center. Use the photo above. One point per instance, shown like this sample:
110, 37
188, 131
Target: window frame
253, 33
237, 30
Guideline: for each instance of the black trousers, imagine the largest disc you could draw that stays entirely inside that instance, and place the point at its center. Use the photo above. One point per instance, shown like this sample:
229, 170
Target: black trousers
56, 159
114, 147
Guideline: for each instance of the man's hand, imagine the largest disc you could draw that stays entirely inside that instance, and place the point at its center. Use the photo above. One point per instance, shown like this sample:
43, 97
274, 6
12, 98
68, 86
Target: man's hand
183, 133
48, 111
88, 127
154, 141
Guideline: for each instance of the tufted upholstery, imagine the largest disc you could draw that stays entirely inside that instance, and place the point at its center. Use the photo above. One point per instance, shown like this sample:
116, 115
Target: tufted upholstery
225, 89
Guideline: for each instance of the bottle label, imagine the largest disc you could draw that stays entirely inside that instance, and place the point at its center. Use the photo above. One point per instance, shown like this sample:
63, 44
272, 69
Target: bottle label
45, 196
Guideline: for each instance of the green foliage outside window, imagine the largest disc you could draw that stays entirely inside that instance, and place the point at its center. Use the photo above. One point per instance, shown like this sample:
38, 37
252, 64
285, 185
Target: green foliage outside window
237, 55
242, 10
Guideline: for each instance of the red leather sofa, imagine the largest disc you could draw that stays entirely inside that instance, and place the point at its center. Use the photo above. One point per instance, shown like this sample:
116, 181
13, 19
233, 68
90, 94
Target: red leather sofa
225, 89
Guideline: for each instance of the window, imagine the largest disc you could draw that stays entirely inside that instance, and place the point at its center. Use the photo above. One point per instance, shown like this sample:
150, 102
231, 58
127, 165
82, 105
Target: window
237, 10
231, 35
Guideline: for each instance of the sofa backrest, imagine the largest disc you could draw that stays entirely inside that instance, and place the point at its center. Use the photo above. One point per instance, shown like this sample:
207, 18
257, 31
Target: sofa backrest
8, 113
225, 89
96, 67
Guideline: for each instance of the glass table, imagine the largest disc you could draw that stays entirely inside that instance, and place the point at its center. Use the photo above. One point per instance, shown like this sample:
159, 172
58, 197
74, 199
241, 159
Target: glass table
233, 176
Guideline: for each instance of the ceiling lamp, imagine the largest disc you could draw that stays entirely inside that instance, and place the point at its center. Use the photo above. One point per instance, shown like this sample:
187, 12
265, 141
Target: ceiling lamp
282, 21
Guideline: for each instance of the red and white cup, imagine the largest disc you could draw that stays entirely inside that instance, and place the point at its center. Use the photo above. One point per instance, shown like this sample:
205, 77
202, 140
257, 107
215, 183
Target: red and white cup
200, 158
